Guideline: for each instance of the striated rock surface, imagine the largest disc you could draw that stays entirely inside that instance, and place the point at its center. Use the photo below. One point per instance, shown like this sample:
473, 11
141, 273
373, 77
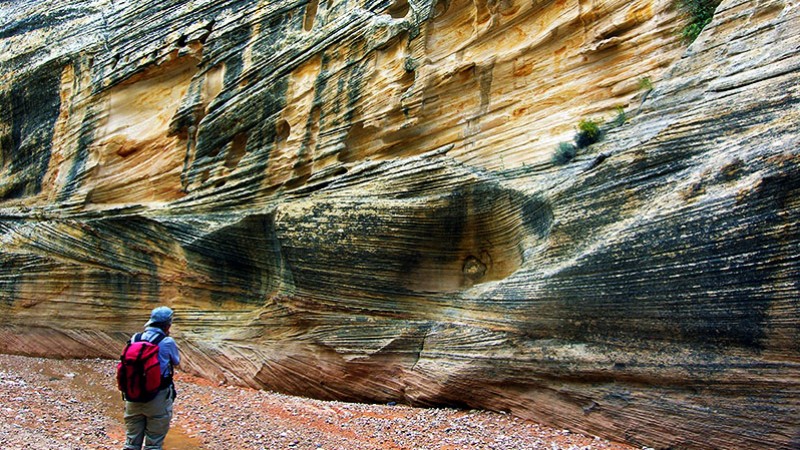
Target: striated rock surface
357, 200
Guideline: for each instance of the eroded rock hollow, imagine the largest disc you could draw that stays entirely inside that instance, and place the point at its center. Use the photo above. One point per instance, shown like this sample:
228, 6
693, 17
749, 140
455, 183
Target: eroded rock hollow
359, 199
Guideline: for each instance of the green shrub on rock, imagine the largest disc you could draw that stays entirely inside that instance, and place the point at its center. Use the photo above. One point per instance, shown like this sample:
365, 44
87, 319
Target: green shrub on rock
646, 84
565, 151
700, 13
588, 133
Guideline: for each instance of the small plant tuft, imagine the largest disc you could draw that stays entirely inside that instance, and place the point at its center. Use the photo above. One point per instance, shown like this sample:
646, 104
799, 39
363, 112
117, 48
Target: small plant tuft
588, 133
646, 84
565, 151
621, 118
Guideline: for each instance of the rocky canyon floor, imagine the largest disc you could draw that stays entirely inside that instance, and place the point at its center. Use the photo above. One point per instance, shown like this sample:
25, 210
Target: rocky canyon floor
73, 404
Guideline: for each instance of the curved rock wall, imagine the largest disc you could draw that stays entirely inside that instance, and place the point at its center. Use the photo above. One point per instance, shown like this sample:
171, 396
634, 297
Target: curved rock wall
357, 200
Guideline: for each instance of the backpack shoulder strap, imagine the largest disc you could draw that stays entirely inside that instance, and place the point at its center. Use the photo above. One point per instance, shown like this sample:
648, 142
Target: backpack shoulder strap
158, 339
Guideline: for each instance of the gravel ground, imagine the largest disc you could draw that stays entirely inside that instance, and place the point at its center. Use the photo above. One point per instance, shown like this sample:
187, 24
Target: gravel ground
55, 404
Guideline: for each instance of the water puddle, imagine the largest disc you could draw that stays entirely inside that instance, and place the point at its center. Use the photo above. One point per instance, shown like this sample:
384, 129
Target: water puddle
104, 396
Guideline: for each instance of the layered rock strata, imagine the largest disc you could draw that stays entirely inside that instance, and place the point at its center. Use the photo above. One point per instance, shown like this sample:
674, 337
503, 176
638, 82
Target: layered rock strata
357, 200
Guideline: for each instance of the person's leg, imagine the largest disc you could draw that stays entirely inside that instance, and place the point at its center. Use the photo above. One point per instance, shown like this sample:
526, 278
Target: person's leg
134, 426
158, 423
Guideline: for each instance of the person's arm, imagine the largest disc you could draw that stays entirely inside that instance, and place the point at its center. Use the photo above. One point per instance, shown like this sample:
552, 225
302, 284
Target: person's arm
172, 348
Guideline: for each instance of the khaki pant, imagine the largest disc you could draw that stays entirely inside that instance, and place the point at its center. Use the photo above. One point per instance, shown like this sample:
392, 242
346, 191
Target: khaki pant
148, 423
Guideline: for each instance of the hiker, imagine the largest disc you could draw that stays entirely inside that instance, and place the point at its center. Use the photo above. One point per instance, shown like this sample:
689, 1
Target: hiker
148, 422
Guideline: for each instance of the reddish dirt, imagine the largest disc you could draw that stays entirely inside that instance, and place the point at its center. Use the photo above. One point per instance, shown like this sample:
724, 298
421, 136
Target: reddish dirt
56, 404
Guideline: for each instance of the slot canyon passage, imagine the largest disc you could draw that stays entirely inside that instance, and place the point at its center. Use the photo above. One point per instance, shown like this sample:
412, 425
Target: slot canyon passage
361, 200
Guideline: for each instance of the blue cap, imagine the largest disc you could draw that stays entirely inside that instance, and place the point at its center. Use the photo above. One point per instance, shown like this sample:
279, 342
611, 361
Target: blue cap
160, 315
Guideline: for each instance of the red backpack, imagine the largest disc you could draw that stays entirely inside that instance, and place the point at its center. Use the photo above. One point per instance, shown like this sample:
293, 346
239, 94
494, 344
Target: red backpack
138, 371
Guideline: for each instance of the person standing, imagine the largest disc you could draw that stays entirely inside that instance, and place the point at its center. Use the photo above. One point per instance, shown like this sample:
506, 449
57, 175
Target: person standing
148, 423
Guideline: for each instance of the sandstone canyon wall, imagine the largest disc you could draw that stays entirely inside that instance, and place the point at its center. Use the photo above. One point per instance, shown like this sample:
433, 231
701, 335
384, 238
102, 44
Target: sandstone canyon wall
357, 199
